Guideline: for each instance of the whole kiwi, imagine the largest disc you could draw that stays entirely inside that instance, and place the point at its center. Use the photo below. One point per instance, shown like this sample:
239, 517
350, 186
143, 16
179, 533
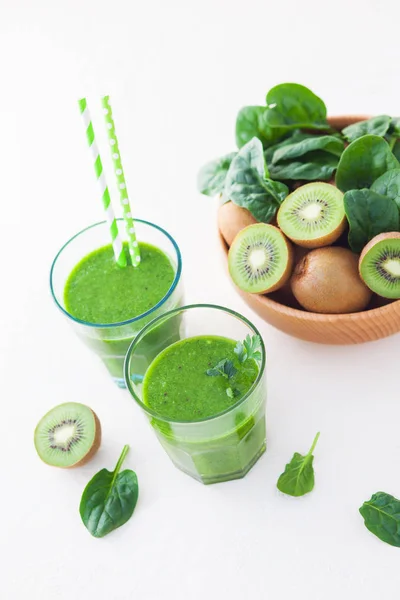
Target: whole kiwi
327, 281
232, 219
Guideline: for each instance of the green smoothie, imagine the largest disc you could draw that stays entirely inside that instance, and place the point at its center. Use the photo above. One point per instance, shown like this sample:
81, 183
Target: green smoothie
100, 292
177, 387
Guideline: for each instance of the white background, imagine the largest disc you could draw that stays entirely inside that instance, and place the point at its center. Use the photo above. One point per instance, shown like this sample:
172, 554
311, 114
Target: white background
177, 72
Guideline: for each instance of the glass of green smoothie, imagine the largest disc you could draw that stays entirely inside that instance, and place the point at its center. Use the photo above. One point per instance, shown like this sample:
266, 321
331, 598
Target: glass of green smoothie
204, 393
108, 305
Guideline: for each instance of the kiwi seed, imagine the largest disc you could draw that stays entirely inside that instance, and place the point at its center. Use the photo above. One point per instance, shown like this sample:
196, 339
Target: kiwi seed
68, 435
260, 259
313, 215
380, 265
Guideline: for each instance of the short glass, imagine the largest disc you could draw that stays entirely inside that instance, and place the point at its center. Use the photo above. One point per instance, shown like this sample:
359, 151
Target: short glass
222, 447
110, 341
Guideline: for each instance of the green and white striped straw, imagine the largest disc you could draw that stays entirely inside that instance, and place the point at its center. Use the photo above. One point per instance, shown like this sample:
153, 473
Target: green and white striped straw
119, 253
119, 173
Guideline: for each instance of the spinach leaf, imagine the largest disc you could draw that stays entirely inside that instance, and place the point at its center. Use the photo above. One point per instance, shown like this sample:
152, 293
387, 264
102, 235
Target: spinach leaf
251, 122
395, 126
396, 150
363, 161
211, 178
388, 185
298, 476
109, 499
296, 136
376, 126
312, 166
369, 214
382, 517
327, 143
248, 183
293, 106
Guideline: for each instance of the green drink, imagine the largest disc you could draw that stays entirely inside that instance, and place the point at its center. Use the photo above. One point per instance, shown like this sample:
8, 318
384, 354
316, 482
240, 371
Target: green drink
99, 291
107, 304
177, 386
212, 427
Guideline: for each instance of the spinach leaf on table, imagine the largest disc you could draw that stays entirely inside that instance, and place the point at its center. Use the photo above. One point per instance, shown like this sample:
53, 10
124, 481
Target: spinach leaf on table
369, 214
109, 499
298, 476
363, 161
388, 185
293, 106
382, 517
211, 178
312, 166
248, 183
251, 122
376, 126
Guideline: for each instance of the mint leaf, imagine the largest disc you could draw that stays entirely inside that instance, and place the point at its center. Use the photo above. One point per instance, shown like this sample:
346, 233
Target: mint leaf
232, 393
240, 352
248, 349
225, 368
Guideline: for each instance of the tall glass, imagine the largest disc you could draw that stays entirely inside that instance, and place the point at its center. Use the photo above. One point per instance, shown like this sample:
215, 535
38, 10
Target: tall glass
110, 341
221, 447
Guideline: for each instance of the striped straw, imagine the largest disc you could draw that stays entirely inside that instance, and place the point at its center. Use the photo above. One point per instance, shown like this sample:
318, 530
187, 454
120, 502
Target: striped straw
119, 173
119, 253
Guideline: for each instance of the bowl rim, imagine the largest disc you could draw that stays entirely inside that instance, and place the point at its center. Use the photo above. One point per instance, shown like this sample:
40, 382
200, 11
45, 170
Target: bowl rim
339, 121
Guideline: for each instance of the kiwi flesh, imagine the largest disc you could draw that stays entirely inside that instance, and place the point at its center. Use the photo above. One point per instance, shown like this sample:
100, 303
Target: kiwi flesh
232, 219
260, 259
380, 265
68, 435
327, 281
313, 215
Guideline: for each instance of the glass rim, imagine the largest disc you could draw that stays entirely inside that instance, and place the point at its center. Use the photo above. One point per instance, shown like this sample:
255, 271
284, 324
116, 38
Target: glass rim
166, 316
142, 315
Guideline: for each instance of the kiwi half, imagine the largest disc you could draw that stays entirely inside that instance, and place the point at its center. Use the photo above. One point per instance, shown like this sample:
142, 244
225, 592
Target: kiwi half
260, 259
380, 265
313, 215
68, 435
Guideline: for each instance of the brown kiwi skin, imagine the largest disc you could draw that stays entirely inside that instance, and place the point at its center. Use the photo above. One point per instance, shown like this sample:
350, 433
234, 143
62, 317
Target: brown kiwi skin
289, 266
92, 451
232, 219
327, 281
285, 295
378, 238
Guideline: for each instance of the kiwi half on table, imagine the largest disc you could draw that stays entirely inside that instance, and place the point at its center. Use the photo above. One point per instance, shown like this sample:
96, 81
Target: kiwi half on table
68, 435
380, 265
260, 259
313, 215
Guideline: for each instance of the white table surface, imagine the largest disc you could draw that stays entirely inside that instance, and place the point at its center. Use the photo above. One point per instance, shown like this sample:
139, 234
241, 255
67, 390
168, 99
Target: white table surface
177, 72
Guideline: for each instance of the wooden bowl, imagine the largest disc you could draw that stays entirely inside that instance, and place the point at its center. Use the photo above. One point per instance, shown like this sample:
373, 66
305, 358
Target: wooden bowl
280, 309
